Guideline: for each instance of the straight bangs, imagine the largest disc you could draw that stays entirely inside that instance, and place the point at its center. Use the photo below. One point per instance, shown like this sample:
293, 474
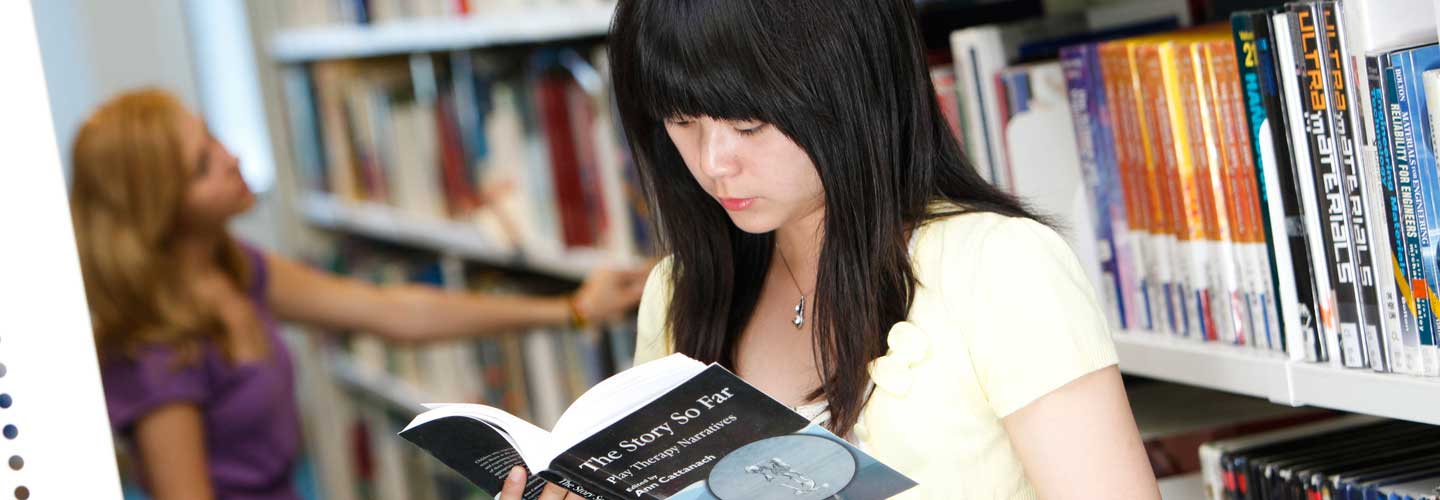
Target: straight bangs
706, 58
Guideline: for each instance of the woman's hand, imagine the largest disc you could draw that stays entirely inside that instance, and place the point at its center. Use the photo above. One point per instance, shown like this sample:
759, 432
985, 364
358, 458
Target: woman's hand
607, 293
515, 487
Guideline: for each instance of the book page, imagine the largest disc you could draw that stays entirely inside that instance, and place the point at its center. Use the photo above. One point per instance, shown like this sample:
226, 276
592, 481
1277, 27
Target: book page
618, 396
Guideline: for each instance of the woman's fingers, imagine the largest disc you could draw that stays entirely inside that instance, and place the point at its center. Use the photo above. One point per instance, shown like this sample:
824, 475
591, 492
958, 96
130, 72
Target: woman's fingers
553, 492
514, 488
514, 484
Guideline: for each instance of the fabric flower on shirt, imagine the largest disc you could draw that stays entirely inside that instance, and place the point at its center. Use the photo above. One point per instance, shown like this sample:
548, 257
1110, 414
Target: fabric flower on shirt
909, 345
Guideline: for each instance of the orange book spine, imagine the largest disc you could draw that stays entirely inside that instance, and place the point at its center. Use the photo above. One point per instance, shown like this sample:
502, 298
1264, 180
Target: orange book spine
1162, 179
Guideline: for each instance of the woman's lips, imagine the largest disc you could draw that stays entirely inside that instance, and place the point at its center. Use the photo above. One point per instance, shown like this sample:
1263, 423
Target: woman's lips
736, 204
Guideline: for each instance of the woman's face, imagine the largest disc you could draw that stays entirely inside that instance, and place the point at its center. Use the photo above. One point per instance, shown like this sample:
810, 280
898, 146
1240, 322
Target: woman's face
217, 192
762, 179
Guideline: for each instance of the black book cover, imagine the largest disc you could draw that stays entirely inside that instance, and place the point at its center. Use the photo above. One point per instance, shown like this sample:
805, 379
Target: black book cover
712, 437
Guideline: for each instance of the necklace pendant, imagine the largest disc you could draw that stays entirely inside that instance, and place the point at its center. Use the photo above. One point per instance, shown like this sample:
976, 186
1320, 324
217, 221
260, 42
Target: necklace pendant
799, 320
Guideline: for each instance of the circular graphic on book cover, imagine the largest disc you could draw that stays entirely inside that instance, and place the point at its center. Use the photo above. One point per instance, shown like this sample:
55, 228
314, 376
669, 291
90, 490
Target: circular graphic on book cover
793, 467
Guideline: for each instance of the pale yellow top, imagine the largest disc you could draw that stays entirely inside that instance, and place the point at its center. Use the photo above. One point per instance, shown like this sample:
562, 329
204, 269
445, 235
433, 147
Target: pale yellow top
1004, 315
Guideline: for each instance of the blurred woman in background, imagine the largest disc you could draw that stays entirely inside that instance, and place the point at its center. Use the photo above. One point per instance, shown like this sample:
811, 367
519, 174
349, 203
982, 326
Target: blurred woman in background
185, 316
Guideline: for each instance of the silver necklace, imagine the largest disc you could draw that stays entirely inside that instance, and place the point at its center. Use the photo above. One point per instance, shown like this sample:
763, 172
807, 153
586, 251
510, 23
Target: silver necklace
799, 320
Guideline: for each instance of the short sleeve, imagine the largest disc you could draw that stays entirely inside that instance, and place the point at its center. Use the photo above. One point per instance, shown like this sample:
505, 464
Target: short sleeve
651, 341
154, 378
1030, 318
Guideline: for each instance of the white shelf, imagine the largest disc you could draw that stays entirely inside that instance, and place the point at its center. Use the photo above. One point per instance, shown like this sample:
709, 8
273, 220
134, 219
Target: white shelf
1361, 391
383, 387
384, 223
1226, 368
1274, 377
442, 34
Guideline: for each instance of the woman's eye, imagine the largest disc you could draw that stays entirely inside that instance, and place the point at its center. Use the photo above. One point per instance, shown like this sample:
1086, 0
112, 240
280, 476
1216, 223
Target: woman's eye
678, 122
750, 130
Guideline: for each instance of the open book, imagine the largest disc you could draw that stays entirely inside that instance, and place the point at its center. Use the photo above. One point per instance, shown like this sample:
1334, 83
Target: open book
670, 428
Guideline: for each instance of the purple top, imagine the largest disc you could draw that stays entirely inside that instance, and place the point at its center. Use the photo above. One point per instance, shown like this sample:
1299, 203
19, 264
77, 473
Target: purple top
252, 424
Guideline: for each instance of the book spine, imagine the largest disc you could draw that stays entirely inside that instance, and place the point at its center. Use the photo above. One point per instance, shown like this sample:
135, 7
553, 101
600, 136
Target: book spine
1078, 63
1373, 281
1241, 201
1303, 146
1410, 132
1222, 222
1149, 160
1426, 161
305, 132
1283, 298
1397, 189
1120, 92
1163, 182
1327, 195
1200, 223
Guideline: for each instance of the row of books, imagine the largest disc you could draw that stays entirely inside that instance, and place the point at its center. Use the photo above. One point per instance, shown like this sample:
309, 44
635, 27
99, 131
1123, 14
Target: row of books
307, 13
522, 145
533, 374
1352, 457
1237, 188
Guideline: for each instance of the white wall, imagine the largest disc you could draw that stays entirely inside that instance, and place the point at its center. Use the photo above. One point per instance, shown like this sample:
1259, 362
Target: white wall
94, 49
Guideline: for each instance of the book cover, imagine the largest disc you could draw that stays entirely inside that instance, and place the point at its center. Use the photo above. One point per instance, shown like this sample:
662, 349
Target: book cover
641, 435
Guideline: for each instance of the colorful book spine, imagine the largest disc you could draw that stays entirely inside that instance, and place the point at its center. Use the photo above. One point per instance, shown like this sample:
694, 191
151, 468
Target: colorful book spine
1199, 226
1163, 182
1252, 252
1398, 190
1087, 103
1215, 63
1120, 89
1159, 241
1409, 65
1377, 308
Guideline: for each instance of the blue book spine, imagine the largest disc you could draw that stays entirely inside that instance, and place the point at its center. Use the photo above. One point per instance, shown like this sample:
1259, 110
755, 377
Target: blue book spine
1409, 86
1089, 106
1397, 182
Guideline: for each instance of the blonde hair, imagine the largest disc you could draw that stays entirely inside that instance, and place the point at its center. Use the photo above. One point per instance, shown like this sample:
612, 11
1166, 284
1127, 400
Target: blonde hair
130, 179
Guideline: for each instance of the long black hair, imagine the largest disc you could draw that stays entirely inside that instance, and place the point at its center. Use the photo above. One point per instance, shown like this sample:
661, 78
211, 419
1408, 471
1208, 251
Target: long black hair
846, 80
